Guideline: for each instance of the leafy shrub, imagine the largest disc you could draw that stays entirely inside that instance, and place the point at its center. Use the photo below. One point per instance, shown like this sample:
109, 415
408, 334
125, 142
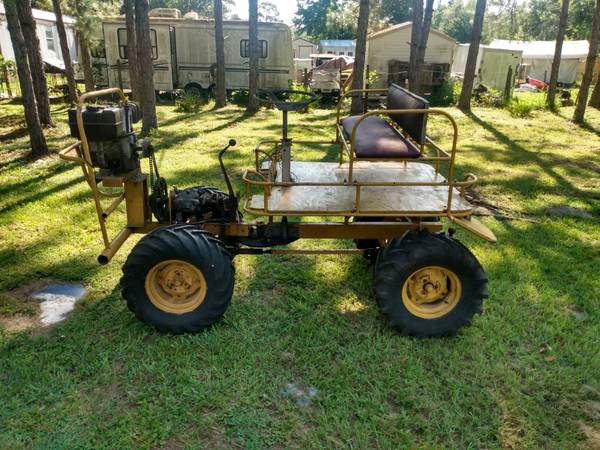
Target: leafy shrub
445, 94
520, 109
373, 77
300, 97
188, 102
239, 97
487, 97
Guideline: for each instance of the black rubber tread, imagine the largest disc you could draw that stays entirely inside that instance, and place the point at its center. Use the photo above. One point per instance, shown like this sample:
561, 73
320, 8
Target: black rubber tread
402, 257
187, 243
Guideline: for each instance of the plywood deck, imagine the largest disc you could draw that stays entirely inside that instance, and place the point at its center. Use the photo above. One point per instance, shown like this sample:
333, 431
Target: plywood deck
335, 200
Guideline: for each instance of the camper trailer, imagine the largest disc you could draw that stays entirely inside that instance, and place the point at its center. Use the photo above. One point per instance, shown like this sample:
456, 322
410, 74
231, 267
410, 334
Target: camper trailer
183, 53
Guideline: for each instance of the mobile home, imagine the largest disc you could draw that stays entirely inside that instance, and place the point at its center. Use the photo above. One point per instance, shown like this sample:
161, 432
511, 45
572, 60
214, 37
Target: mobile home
492, 65
47, 33
183, 53
388, 53
344, 47
538, 56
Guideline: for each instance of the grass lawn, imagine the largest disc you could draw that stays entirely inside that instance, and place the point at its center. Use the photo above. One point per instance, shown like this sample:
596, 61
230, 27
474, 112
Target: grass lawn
526, 374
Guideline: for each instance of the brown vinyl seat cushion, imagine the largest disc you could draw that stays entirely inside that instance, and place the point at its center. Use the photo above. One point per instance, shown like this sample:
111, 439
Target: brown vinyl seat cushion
376, 138
414, 124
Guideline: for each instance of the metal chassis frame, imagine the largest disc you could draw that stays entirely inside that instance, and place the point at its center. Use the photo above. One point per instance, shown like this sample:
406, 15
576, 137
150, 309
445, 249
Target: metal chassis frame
134, 192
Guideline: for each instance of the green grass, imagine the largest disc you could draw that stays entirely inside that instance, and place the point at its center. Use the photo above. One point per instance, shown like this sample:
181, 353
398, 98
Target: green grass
526, 374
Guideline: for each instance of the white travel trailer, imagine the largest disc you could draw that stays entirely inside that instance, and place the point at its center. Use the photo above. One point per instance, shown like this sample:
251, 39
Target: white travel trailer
183, 52
47, 32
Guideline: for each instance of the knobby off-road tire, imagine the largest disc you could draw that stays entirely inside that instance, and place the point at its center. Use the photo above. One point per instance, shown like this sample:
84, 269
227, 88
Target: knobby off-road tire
428, 284
179, 279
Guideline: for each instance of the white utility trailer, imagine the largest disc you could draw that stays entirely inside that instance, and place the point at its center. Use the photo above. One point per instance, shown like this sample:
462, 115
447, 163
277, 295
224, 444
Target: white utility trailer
184, 56
492, 65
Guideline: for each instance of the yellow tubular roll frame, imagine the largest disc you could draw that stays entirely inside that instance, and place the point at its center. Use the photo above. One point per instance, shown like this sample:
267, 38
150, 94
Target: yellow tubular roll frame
79, 152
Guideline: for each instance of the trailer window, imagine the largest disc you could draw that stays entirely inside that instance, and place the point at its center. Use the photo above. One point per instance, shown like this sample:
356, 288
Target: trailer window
122, 41
50, 39
245, 48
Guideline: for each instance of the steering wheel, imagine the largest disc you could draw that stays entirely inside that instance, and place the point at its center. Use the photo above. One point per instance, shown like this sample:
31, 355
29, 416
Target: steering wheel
281, 99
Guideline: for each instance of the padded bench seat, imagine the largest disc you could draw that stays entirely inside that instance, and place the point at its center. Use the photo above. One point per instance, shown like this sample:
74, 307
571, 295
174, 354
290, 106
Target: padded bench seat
376, 138
401, 138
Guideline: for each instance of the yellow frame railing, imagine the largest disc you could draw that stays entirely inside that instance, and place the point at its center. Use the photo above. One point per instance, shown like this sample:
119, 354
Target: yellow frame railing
79, 152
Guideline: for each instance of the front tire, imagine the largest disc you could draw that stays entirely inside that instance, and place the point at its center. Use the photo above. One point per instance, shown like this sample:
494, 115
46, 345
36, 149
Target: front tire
428, 284
179, 279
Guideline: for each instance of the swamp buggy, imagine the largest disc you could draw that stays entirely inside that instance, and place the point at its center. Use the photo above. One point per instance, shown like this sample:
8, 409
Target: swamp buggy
386, 192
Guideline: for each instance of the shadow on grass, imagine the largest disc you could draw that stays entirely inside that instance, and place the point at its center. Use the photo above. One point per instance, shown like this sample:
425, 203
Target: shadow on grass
14, 134
586, 125
13, 163
236, 120
519, 154
26, 187
26, 264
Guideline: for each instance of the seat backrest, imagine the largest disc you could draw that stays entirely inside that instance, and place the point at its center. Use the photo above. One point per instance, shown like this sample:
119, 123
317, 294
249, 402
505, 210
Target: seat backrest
413, 124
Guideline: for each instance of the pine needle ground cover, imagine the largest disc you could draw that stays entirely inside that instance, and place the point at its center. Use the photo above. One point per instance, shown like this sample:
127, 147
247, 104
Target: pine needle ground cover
302, 358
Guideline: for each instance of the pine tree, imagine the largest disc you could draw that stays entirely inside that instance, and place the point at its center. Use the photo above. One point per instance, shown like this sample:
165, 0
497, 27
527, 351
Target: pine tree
464, 102
147, 95
36, 135
582, 97
36, 63
560, 37
360, 57
253, 100
64, 48
221, 94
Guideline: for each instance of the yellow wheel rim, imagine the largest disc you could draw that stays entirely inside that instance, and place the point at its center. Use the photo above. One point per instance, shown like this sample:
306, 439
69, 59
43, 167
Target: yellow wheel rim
175, 286
431, 292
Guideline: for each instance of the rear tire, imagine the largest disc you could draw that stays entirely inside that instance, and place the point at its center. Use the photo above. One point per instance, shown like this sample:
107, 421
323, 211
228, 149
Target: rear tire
428, 284
179, 279
194, 89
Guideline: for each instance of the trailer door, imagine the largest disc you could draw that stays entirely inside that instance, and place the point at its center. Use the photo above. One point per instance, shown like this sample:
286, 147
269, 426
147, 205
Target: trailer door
117, 55
494, 66
160, 41
173, 41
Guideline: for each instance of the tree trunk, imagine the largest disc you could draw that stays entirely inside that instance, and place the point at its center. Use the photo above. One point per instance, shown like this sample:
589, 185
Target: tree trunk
595, 99
36, 64
464, 102
360, 56
579, 114
423, 38
253, 101
36, 135
86, 63
132, 50
560, 37
147, 95
64, 48
414, 73
85, 60
6, 77
220, 48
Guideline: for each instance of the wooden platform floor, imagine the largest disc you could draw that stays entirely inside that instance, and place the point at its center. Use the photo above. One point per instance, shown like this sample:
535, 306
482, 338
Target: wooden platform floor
335, 200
